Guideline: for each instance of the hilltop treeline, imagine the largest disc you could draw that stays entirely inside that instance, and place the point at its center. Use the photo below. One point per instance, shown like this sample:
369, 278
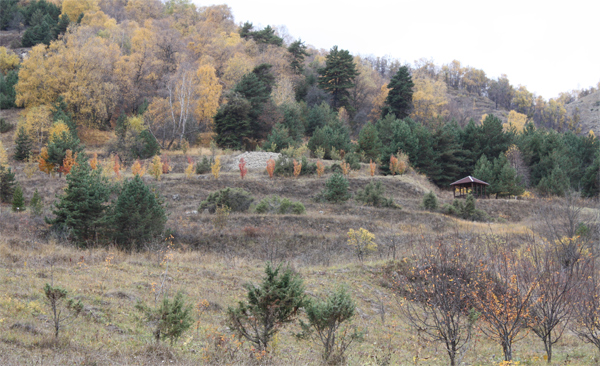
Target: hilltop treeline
179, 70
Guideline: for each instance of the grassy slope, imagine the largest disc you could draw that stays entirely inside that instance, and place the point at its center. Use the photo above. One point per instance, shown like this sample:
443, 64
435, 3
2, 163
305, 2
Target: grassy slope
210, 268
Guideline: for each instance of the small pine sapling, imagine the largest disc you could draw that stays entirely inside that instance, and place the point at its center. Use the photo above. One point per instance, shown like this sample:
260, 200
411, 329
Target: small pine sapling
63, 310
297, 168
156, 168
430, 201
243, 169
36, 205
327, 326
172, 317
320, 168
18, 202
215, 168
270, 167
268, 307
372, 167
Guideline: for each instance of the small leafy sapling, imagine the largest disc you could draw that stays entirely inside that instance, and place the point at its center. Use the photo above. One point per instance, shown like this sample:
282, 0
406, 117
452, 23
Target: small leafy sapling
190, 168
328, 325
156, 168
270, 167
63, 310
320, 168
215, 168
372, 167
362, 242
297, 168
243, 169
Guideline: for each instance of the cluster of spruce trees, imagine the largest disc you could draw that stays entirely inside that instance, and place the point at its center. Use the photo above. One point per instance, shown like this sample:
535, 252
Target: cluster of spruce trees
86, 214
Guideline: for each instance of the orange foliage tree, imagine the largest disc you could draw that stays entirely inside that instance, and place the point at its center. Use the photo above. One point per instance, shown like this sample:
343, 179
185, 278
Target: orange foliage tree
243, 169
68, 162
94, 162
270, 167
297, 168
320, 168
43, 163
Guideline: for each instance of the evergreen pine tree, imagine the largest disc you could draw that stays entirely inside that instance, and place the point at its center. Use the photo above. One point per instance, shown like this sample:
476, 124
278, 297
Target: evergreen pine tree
136, 217
232, 122
7, 89
7, 184
447, 159
57, 148
18, 202
297, 52
268, 307
36, 205
399, 99
278, 139
22, 145
368, 142
83, 203
507, 181
337, 77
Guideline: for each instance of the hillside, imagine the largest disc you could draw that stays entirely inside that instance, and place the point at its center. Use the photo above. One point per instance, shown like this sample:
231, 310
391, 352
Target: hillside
210, 265
588, 109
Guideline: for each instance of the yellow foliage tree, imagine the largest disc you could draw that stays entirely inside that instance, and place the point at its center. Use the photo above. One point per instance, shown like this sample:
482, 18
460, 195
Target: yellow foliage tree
156, 168
138, 169
8, 60
3, 156
429, 99
80, 68
99, 19
236, 67
56, 130
215, 167
362, 242
378, 103
516, 120
209, 92
283, 92
74, 8
37, 123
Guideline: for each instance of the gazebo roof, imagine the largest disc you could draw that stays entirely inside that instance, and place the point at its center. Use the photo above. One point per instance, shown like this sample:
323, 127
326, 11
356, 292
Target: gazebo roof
468, 180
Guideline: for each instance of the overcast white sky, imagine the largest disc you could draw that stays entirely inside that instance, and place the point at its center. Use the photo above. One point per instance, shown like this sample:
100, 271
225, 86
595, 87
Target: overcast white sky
539, 44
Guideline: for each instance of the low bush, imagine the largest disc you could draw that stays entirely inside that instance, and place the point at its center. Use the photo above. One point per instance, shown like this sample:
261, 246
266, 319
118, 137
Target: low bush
373, 195
5, 126
465, 210
278, 205
237, 199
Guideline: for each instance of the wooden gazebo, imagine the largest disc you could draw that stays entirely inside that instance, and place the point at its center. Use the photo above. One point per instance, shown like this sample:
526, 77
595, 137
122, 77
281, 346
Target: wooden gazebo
476, 186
